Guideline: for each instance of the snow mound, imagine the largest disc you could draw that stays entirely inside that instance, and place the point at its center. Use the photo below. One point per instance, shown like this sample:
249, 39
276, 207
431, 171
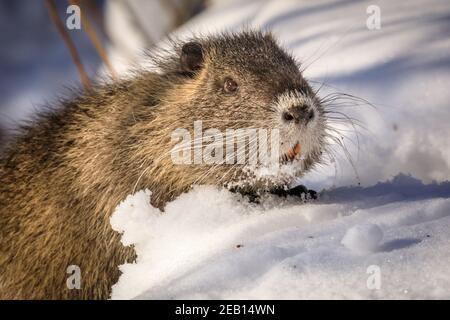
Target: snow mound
364, 238
210, 243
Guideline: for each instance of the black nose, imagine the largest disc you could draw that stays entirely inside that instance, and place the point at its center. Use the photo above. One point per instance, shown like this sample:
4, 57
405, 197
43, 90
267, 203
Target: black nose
299, 114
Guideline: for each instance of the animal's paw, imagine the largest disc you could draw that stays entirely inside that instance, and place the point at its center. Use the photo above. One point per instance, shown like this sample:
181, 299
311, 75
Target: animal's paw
298, 191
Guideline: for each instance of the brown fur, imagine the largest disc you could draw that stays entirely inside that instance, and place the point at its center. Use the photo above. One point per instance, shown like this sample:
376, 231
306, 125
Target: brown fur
66, 172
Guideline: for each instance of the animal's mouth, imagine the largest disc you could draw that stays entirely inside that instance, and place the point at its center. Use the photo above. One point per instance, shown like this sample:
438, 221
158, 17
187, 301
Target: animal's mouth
292, 153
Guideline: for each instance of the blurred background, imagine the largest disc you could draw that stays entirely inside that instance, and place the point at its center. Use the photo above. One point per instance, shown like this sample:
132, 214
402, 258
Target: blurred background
35, 63
401, 66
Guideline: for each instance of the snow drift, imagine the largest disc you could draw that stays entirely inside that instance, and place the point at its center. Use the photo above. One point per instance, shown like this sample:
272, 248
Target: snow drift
211, 243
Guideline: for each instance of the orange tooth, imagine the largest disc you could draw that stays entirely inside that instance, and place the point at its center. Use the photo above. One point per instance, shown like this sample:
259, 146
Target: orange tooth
297, 149
291, 154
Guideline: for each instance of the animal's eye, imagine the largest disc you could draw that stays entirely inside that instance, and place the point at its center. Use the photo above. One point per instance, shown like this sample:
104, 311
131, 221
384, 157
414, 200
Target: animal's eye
230, 86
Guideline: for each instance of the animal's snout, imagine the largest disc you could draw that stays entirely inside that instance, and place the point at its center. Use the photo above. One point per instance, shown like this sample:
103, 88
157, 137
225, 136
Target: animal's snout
299, 114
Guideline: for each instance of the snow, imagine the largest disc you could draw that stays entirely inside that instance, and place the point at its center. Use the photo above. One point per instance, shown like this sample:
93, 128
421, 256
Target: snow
210, 243
372, 224
363, 238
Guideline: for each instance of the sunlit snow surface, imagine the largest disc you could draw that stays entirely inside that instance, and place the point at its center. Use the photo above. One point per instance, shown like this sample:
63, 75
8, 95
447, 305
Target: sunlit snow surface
211, 243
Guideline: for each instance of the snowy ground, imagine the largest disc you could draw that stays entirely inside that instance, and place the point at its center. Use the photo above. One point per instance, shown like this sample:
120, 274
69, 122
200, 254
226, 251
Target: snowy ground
210, 243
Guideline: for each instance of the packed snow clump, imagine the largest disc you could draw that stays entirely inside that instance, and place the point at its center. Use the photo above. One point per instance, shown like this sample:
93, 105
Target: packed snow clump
364, 238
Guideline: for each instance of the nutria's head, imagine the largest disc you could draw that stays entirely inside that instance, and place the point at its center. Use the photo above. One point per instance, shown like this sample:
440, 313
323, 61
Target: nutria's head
239, 81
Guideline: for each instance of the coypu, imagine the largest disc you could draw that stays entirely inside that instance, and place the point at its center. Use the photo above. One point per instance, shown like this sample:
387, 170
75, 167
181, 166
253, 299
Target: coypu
68, 169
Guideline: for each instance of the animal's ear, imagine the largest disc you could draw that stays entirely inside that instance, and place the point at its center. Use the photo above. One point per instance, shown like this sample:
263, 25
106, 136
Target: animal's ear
191, 58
